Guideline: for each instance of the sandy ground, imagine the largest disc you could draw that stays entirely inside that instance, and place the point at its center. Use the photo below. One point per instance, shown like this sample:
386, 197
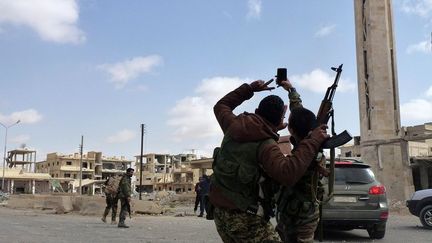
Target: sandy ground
45, 226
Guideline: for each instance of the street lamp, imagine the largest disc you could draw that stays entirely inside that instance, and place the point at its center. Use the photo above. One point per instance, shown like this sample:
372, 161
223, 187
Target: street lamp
4, 153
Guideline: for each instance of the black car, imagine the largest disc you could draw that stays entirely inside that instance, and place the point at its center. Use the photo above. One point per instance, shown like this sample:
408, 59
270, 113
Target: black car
359, 200
420, 205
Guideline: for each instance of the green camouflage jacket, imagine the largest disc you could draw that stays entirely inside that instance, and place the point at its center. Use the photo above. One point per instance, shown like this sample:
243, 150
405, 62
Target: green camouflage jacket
124, 190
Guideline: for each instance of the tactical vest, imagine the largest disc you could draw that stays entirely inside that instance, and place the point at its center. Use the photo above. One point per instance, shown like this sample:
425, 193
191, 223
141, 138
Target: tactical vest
236, 171
296, 205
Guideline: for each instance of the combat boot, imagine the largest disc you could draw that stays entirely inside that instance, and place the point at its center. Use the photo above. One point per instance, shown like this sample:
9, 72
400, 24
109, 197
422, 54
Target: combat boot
122, 225
103, 219
113, 222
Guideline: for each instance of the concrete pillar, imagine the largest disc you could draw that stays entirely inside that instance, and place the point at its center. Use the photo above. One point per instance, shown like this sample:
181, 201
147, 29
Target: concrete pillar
12, 185
33, 186
379, 98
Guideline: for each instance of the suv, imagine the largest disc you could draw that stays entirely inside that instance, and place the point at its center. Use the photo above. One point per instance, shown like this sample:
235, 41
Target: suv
420, 205
359, 201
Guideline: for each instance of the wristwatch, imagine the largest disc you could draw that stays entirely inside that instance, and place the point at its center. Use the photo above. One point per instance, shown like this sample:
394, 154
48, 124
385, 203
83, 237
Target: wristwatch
292, 89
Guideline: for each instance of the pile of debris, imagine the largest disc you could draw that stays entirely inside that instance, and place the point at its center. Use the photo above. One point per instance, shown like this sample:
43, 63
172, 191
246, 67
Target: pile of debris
3, 197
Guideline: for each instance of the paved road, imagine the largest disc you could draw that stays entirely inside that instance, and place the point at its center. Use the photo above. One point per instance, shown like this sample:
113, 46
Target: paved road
37, 226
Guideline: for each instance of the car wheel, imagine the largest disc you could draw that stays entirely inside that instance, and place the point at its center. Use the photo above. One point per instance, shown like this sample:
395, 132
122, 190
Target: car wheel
426, 217
377, 231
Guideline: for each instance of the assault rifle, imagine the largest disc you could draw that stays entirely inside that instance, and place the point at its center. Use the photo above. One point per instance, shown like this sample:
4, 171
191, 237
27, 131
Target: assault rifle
324, 114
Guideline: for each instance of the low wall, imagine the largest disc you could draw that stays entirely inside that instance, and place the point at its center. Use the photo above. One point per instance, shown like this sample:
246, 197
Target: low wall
84, 205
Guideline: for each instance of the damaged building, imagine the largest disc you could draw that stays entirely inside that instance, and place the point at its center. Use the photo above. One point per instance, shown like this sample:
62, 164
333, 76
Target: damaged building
177, 173
418, 140
96, 168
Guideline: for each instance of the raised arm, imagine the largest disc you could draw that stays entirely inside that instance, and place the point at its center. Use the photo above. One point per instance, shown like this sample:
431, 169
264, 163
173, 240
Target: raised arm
223, 109
294, 97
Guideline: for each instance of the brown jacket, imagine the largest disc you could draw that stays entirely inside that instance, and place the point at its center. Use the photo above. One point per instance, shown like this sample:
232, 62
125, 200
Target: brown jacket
248, 127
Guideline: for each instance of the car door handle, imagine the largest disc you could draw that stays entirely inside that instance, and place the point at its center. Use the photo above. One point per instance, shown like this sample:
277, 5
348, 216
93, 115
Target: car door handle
363, 198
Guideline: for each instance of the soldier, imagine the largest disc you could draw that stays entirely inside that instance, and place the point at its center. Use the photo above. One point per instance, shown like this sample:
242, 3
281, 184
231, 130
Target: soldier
124, 194
248, 152
204, 185
198, 195
298, 205
111, 199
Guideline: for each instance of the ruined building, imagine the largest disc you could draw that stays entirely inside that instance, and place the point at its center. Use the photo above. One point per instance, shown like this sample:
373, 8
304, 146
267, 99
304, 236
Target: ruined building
170, 172
95, 169
18, 176
418, 147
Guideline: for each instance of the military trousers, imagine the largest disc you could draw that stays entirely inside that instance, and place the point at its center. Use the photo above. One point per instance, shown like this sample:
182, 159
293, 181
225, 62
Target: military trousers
124, 209
111, 204
236, 226
300, 227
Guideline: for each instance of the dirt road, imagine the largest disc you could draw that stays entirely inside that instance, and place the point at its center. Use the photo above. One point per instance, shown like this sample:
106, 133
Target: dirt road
43, 226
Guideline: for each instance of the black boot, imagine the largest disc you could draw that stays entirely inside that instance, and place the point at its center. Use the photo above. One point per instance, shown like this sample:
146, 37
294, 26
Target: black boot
122, 225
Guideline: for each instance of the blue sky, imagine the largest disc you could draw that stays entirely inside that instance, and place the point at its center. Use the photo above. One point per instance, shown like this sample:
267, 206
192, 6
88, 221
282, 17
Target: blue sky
101, 68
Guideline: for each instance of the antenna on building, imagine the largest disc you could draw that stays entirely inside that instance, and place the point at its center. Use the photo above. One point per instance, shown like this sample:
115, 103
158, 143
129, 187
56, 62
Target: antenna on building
81, 155
141, 159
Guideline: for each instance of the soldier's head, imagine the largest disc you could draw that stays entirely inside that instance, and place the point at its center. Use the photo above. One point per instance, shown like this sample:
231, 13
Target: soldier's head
129, 172
271, 108
300, 122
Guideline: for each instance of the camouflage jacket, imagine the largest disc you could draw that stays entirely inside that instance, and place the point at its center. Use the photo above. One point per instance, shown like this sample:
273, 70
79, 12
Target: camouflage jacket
125, 190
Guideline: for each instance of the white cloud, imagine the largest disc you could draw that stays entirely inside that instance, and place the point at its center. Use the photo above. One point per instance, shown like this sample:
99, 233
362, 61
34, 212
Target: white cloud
325, 30
421, 8
254, 9
121, 136
318, 81
417, 110
53, 20
27, 116
122, 72
429, 92
20, 139
424, 47
192, 117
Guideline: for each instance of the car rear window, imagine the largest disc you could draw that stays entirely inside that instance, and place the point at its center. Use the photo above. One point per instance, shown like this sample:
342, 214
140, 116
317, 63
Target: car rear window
353, 175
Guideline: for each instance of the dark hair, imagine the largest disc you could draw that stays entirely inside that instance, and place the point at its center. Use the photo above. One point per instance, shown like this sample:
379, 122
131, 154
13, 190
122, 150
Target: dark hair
301, 121
271, 108
130, 169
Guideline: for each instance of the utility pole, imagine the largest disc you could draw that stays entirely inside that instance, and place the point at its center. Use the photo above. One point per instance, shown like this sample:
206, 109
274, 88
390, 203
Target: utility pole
81, 155
4, 153
141, 159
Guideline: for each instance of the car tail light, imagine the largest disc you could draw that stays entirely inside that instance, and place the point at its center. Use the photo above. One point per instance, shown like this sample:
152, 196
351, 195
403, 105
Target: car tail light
377, 190
384, 215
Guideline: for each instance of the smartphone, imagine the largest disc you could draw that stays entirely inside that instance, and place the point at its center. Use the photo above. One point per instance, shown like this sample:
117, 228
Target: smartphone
281, 75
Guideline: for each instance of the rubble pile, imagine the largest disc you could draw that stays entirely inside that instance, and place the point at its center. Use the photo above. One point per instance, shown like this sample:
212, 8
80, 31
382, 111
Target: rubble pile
3, 197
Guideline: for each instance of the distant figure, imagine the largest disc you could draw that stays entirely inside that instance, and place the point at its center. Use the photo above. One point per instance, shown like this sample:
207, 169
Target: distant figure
124, 194
198, 195
111, 190
204, 185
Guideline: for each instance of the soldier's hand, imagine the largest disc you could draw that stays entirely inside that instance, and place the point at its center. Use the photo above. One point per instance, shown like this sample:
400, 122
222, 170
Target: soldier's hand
129, 199
286, 84
322, 170
260, 85
320, 133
